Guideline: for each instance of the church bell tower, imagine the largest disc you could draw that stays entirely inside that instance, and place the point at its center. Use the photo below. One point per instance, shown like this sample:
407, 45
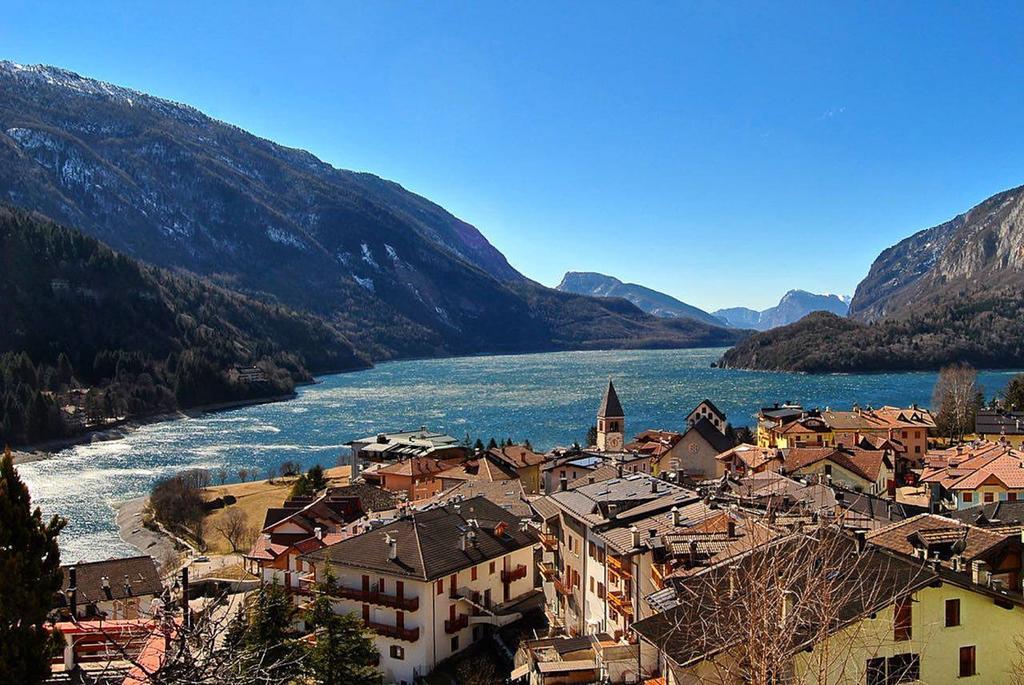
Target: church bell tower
611, 422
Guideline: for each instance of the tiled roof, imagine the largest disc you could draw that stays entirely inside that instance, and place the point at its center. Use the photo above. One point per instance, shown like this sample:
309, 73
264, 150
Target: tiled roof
900, 537
997, 422
508, 495
752, 456
484, 468
371, 497
1000, 513
130, 577
865, 463
517, 456
428, 542
417, 466
967, 467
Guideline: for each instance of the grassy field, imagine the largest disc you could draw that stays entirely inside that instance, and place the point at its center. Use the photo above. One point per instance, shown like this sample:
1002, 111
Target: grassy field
253, 499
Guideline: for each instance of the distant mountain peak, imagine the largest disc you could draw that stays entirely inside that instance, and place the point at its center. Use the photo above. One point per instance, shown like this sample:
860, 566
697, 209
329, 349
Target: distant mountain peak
649, 300
793, 306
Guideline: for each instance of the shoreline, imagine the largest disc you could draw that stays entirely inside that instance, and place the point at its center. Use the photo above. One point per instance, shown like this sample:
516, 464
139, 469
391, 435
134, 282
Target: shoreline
46, 449
128, 518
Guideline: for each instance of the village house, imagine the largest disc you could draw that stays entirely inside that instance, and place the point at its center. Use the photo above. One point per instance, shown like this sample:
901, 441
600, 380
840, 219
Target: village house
1000, 425
660, 447
432, 582
871, 471
524, 461
743, 460
483, 467
925, 600
110, 589
413, 478
697, 451
304, 524
979, 473
568, 464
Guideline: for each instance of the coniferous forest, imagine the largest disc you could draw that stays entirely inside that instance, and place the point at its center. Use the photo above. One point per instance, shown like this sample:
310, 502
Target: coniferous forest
91, 337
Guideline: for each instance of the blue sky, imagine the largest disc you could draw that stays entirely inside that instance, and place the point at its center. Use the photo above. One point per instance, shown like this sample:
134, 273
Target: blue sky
721, 152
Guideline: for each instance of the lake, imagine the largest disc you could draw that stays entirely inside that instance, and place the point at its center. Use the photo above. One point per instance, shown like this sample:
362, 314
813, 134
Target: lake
549, 399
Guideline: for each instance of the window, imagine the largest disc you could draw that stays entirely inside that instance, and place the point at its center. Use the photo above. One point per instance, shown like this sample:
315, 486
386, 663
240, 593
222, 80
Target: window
1011, 497
492, 568
397, 652
989, 497
828, 469
968, 497
592, 550
952, 613
455, 643
600, 590
968, 666
902, 619
876, 671
904, 668
472, 573
917, 449
440, 586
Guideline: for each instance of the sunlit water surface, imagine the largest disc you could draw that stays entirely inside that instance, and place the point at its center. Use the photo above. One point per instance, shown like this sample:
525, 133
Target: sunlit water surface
548, 398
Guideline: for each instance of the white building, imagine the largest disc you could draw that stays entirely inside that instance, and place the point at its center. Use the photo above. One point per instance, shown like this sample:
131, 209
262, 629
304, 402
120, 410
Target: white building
433, 582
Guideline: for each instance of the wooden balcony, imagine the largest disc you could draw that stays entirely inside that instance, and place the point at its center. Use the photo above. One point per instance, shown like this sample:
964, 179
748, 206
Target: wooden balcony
378, 598
618, 566
549, 541
515, 574
658, 576
561, 587
453, 626
547, 570
620, 603
394, 632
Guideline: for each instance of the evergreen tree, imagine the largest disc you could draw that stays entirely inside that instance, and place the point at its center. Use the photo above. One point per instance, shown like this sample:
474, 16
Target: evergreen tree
492, 445
302, 487
317, 479
30, 563
269, 655
343, 654
1013, 396
479, 444
591, 436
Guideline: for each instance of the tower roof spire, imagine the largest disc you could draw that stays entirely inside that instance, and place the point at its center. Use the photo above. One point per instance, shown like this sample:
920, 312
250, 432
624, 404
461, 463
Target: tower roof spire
610, 405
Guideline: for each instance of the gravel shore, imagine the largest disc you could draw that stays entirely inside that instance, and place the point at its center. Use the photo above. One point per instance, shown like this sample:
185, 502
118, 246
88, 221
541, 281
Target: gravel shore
129, 523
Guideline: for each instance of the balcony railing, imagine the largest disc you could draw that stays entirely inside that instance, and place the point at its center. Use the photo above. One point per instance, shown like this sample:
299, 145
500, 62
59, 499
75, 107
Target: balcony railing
657, 576
394, 632
453, 626
378, 598
548, 570
618, 566
562, 588
513, 575
550, 541
620, 603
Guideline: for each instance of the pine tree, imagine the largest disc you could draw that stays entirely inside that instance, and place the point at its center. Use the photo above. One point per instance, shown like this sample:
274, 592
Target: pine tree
30, 564
268, 654
343, 654
316, 477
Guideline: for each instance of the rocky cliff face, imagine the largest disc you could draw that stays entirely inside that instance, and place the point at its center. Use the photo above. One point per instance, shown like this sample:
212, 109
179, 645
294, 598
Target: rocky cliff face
650, 301
395, 273
981, 248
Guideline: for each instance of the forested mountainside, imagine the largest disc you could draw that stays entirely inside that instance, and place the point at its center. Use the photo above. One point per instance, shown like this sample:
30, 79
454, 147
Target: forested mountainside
98, 333
650, 301
393, 272
948, 294
793, 306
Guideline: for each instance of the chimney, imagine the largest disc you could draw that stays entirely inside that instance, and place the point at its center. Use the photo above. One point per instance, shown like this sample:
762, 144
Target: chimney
590, 480
652, 533
563, 483
462, 542
979, 572
392, 547
618, 469
634, 534
318, 532
184, 597
677, 519
731, 528
654, 486
860, 536
73, 592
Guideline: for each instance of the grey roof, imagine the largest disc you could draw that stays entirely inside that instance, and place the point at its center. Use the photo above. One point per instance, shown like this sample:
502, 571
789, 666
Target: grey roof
996, 514
591, 502
429, 541
508, 495
610, 405
711, 435
994, 421
130, 577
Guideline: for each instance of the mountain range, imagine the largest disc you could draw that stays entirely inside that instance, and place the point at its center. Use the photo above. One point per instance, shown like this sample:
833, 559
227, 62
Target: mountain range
395, 274
951, 293
651, 301
794, 305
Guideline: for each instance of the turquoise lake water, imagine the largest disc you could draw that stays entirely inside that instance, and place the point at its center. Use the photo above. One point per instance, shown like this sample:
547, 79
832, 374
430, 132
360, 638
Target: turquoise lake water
549, 399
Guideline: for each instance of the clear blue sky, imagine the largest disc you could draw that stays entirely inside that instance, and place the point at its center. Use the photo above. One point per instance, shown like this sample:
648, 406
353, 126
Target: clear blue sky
721, 152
